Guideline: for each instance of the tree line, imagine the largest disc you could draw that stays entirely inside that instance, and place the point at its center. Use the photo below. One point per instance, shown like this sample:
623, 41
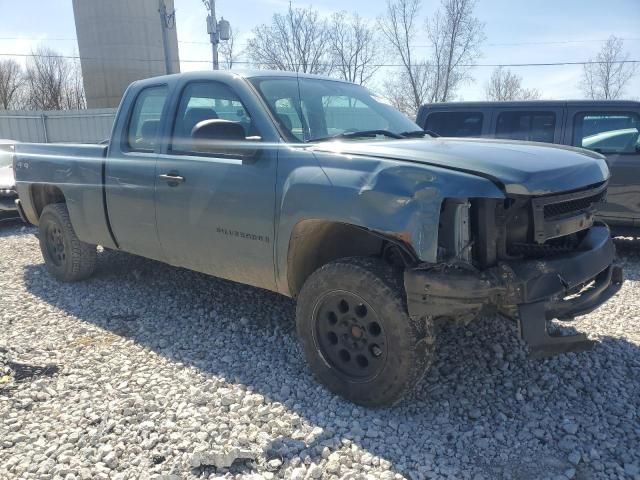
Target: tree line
48, 81
346, 46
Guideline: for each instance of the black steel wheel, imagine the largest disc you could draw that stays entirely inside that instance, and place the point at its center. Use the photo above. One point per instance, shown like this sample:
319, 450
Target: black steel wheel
67, 258
357, 336
350, 335
55, 244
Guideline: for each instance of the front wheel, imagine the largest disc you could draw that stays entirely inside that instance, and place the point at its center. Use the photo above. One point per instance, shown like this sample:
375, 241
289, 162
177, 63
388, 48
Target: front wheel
66, 257
357, 336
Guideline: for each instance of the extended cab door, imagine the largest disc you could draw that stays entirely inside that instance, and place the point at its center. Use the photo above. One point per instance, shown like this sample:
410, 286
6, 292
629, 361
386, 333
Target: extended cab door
130, 171
613, 131
215, 205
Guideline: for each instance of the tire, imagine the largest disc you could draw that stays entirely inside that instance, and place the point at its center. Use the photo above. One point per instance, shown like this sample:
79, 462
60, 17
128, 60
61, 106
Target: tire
66, 257
387, 352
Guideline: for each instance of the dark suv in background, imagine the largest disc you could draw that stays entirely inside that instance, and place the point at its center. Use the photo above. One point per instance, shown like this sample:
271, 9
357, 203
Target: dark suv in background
608, 127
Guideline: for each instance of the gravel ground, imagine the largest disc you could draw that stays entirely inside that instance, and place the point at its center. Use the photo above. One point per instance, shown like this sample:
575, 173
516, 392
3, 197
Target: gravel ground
146, 371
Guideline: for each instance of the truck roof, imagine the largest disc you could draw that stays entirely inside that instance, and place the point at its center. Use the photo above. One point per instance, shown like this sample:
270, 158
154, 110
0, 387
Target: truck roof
533, 103
229, 74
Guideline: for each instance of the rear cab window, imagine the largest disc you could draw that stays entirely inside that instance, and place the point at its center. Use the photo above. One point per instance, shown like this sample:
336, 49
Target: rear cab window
607, 132
455, 124
144, 123
536, 126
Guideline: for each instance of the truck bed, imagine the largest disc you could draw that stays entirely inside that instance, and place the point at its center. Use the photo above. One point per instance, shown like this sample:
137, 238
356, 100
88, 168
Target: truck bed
78, 171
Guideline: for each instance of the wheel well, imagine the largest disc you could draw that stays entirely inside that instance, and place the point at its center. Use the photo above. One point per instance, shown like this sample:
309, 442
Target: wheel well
314, 243
43, 195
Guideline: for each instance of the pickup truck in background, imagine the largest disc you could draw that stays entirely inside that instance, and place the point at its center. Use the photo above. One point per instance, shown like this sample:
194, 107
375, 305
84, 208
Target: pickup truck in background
609, 127
316, 189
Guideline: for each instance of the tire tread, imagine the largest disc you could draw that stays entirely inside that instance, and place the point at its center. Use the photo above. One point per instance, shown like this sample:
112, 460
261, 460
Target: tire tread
381, 281
83, 256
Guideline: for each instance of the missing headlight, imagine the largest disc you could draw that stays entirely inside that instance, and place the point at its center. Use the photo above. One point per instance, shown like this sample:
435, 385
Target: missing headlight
454, 239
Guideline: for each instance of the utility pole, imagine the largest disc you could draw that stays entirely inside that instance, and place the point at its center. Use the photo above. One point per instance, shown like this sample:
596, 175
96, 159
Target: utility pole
167, 21
217, 30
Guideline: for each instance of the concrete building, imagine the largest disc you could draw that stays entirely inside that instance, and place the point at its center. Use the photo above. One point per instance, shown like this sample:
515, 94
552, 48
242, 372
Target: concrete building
121, 41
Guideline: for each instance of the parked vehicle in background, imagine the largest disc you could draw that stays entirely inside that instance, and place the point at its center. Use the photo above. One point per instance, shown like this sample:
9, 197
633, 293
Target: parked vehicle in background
314, 188
8, 193
607, 127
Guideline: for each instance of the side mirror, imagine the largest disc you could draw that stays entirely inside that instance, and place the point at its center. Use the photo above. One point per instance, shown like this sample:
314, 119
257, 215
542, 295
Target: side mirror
224, 137
250, 149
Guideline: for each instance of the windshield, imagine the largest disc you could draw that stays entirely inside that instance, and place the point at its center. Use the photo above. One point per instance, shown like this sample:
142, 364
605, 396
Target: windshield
317, 109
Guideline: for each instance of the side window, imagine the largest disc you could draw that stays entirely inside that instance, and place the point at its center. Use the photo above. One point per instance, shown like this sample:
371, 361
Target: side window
615, 132
288, 117
455, 124
142, 132
530, 126
208, 101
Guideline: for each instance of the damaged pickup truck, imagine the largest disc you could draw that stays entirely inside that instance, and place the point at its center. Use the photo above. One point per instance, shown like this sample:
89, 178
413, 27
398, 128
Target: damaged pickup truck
319, 190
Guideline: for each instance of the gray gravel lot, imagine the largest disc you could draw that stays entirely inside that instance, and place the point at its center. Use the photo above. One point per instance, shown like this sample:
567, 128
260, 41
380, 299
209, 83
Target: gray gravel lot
149, 369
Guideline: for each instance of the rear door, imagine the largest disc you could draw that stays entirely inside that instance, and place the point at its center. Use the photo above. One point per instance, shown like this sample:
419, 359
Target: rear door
612, 131
215, 210
130, 172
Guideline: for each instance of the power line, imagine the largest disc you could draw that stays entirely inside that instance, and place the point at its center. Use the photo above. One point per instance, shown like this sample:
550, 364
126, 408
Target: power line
558, 42
510, 44
514, 65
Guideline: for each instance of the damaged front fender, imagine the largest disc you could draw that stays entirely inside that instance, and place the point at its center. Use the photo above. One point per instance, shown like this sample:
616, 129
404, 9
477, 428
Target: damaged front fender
396, 197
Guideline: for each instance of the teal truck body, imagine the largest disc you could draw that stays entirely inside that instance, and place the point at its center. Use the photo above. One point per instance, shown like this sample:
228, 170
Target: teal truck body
271, 179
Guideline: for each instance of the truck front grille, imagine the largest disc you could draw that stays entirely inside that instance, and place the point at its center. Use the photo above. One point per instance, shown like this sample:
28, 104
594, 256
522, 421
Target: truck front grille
557, 216
574, 206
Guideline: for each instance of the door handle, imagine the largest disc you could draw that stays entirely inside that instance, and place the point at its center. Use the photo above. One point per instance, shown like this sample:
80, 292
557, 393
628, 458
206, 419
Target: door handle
172, 178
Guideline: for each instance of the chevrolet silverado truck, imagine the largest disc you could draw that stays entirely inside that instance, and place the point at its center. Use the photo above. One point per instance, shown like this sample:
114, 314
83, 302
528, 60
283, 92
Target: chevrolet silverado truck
319, 190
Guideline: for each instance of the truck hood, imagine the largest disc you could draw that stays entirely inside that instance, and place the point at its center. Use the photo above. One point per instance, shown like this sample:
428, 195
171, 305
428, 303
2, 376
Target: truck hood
520, 168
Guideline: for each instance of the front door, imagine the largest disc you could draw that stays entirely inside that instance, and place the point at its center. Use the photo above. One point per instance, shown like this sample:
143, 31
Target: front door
614, 133
215, 207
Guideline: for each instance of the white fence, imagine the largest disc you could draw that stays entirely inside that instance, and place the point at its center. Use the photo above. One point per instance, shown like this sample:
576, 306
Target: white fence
55, 126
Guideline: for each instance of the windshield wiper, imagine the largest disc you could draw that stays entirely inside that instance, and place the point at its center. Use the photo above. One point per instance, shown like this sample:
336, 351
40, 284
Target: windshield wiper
419, 134
358, 134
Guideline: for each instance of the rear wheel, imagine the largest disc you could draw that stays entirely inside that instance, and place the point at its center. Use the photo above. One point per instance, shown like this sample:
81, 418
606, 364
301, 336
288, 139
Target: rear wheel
66, 257
358, 338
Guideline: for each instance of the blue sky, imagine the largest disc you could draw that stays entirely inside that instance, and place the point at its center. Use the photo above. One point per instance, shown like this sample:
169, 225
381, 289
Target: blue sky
518, 31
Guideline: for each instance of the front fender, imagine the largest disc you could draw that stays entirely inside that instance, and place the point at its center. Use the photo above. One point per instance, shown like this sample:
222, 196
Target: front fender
396, 198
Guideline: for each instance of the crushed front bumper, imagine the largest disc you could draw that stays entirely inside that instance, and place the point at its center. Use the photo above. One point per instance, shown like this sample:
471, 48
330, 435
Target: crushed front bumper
531, 291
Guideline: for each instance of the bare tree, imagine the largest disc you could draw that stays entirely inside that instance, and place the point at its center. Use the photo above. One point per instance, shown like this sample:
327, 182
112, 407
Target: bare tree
610, 72
229, 52
53, 82
455, 36
11, 83
505, 85
354, 48
410, 89
295, 41
74, 97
